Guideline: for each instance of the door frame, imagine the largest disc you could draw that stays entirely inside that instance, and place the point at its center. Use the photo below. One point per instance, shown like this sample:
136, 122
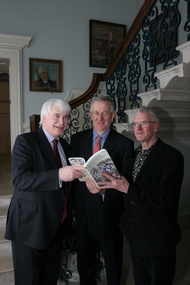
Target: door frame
11, 48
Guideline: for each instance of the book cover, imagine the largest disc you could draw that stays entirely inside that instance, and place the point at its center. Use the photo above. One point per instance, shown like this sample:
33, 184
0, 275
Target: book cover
96, 164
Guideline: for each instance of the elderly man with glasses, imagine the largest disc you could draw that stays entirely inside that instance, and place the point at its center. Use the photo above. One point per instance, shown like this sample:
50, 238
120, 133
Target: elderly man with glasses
149, 221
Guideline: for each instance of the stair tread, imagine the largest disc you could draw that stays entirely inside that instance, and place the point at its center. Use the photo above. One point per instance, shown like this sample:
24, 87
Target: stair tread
3, 210
6, 263
2, 232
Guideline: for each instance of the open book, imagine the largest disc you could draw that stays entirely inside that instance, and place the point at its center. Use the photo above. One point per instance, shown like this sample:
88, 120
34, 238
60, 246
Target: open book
96, 164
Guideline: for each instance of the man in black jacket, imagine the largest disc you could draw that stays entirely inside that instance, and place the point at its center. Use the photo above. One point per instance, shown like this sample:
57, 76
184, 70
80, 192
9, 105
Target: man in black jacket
149, 221
36, 217
97, 216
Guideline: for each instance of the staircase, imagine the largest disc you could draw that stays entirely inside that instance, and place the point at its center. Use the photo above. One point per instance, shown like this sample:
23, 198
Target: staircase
6, 265
171, 100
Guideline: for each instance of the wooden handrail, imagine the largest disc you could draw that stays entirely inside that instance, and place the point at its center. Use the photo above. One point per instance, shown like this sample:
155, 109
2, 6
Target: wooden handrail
98, 77
34, 122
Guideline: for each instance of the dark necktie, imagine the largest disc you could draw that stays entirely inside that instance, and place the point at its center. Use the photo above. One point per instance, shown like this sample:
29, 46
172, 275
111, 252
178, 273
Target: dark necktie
56, 153
97, 146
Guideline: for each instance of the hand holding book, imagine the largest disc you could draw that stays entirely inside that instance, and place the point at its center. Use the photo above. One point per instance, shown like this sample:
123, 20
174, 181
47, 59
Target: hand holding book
97, 164
122, 185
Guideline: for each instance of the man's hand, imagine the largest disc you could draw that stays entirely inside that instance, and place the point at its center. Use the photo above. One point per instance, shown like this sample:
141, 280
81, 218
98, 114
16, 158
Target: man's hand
121, 185
70, 173
92, 187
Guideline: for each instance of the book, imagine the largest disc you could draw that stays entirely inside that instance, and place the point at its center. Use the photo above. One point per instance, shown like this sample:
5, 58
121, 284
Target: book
95, 165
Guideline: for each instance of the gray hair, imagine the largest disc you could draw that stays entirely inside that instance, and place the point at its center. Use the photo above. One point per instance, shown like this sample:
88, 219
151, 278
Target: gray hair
102, 98
153, 115
48, 105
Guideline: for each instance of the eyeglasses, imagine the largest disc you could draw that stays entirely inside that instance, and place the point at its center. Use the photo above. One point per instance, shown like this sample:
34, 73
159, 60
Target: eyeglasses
103, 114
142, 124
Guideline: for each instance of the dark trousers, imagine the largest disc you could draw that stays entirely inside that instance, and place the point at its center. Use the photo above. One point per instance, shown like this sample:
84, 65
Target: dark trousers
158, 270
37, 267
112, 249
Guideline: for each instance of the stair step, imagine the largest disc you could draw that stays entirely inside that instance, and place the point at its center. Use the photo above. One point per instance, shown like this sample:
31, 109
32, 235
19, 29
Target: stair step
7, 277
5, 245
5, 200
6, 263
3, 210
3, 221
2, 232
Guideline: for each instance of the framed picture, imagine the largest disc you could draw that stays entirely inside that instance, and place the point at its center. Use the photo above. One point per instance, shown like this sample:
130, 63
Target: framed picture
45, 75
105, 39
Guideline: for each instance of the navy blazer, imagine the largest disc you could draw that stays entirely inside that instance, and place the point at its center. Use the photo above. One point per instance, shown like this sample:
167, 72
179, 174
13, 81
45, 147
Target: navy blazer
102, 216
149, 221
37, 203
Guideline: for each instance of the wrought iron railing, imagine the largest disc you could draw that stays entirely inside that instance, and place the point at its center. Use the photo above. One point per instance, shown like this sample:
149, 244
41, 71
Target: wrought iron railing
149, 46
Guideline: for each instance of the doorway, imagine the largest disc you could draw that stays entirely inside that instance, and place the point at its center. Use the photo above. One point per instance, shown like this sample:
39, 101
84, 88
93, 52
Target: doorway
11, 48
5, 142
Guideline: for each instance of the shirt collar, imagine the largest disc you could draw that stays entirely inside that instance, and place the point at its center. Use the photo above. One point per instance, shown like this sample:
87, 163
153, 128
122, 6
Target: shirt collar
104, 135
49, 137
146, 151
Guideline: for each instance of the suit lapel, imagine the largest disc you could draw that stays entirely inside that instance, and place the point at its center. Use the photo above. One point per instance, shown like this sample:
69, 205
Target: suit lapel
156, 152
46, 148
65, 148
87, 144
110, 141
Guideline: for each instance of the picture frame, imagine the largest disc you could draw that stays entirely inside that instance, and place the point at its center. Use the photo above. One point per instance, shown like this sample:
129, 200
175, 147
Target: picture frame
45, 75
104, 41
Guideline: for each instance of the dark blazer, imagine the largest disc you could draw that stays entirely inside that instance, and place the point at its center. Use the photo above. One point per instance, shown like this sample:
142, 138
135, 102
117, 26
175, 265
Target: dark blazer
102, 216
37, 203
150, 218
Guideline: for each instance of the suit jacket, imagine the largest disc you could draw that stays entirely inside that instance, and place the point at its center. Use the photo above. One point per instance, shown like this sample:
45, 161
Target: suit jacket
37, 203
149, 221
102, 216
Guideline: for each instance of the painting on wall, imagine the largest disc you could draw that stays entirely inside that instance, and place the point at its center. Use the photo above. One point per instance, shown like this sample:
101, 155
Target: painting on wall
45, 75
104, 39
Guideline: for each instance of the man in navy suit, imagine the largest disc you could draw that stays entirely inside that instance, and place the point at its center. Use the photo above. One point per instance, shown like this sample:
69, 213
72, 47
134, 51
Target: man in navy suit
97, 216
35, 221
149, 221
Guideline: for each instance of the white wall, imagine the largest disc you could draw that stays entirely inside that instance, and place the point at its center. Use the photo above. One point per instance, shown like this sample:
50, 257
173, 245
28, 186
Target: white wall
60, 30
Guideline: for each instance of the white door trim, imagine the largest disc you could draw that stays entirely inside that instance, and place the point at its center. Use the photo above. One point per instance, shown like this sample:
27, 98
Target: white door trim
11, 48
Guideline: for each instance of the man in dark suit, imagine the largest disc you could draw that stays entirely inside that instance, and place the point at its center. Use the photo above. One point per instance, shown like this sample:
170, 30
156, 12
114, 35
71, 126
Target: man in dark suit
149, 221
97, 216
37, 216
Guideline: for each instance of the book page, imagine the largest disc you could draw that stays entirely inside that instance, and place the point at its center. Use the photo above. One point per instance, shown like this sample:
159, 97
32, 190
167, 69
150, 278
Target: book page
80, 161
87, 174
101, 162
96, 164
76, 160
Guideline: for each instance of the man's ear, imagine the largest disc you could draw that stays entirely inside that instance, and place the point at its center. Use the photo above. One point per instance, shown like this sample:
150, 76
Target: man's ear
90, 114
113, 115
157, 127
